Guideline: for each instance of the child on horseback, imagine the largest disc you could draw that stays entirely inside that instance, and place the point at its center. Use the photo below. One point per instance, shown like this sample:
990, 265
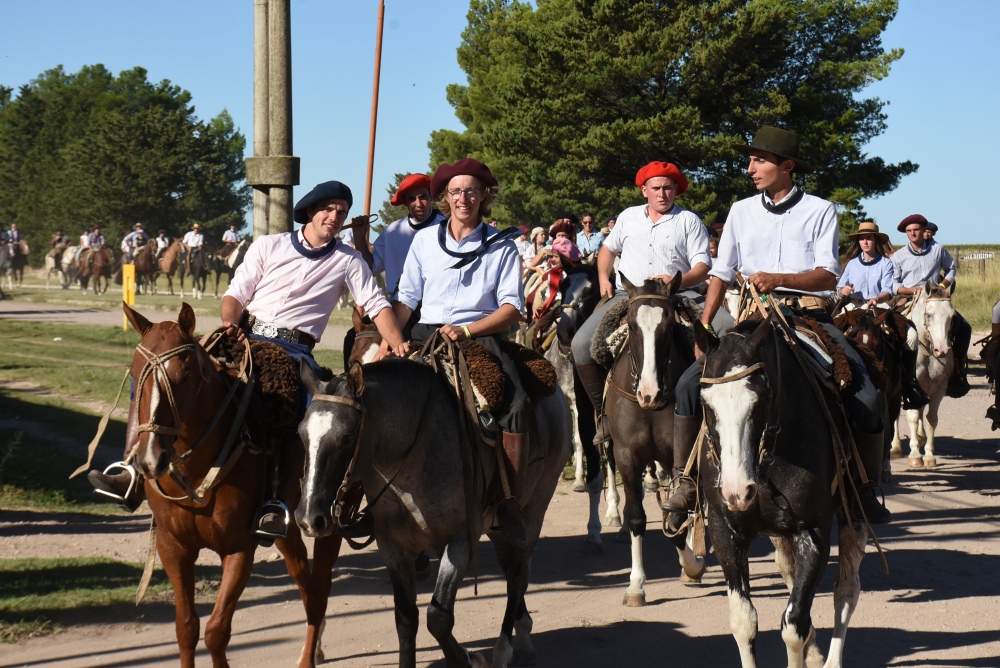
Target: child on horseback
785, 243
466, 275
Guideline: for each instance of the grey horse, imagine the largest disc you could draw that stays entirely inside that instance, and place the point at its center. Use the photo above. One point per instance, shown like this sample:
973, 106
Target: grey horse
426, 490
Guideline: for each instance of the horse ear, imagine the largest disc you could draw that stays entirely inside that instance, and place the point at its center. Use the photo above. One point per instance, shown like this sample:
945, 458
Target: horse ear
312, 383
356, 378
706, 340
137, 320
675, 285
762, 332
186, 319
629, 288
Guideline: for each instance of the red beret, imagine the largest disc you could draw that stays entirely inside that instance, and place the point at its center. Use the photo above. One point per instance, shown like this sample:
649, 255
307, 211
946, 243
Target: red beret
464, 167
915, 219
667, 169
411, 182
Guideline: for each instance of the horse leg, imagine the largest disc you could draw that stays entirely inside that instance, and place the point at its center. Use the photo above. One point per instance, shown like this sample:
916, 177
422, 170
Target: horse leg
612, 516
913, 418
513, 646
635, 519
314, 587
742, 614
847, 590
810, 554
441, 611
219, 628
931, 419
592, 543
403, 575
897, 444
178, 564
784, 558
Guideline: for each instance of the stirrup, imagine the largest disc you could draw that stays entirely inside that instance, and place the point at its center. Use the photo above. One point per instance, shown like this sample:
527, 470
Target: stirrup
132, 483
278, 507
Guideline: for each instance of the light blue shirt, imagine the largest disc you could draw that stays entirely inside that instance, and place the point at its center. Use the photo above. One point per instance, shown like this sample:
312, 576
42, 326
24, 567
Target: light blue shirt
912, 268
459, 296
869, 279
591, 245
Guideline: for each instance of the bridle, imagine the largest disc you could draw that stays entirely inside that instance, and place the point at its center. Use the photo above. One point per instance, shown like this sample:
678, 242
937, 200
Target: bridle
340, 521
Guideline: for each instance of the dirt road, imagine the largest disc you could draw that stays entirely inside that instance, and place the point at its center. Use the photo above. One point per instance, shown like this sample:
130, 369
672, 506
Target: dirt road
938, 606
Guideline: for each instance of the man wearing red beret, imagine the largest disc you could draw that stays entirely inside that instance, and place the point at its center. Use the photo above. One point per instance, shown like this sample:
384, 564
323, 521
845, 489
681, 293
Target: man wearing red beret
784, 242
923, 260
652, 240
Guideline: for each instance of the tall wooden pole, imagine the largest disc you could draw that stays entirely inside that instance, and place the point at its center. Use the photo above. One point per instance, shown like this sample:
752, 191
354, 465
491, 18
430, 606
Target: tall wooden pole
371, 132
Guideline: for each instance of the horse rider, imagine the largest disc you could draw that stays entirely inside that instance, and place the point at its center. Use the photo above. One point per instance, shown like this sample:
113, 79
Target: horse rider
162, 242
921, 260
654, 240
59, 239
393, 244
868, 281
192, 242
13, 234
230, 239
284, 293
785, 243
94, 243
466, 277
589, 240
930, 230
133, 240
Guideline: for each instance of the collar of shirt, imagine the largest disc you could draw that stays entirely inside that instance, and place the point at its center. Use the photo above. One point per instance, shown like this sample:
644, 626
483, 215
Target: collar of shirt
790, 193
924, 249
665, 217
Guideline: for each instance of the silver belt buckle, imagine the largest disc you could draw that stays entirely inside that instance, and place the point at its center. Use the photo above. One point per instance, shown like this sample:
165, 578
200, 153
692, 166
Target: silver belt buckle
267, 329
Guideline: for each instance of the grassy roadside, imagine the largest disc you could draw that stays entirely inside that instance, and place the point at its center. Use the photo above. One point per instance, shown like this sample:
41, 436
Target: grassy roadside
40, 596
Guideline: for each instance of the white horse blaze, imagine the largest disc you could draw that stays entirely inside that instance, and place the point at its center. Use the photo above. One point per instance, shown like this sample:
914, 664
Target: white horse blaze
317, 425
732, 403
648, 318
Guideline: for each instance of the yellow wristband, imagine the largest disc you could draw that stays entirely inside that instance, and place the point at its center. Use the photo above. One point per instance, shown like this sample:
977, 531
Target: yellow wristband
468, 334
942, 286
707, 325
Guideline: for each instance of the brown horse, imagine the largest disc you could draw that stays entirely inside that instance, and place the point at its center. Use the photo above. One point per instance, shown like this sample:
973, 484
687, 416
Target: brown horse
168, 264
145, 268
18, 261
174, 377
100, 264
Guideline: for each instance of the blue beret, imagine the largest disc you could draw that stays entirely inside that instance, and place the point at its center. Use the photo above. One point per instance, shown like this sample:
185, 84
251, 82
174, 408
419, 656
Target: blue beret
328, 190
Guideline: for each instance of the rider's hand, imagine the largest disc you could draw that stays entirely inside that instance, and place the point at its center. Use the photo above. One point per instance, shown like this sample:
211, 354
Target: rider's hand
765, 282
606, 289
361, 227
401, 350
847, 290
233, 329
452, 332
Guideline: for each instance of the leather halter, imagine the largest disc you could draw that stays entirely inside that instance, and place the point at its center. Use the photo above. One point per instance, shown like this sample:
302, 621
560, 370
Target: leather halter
633, 368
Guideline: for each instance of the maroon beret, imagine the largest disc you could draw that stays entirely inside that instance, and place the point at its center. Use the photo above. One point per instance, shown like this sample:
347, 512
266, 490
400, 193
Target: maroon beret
915, 219
667, 169
464, 167
411, 182
562, 226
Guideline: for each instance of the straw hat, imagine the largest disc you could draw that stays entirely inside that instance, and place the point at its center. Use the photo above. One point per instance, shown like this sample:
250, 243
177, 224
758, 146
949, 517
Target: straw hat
869, 227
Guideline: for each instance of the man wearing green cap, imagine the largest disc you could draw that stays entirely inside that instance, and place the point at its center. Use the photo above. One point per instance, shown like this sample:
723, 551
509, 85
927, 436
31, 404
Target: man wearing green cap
784, 242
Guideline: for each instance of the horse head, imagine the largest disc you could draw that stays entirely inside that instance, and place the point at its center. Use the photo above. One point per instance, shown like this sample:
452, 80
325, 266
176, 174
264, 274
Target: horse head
169, 370
331, 432
651, 318
932, 314
581, 291
366, 340
737, 402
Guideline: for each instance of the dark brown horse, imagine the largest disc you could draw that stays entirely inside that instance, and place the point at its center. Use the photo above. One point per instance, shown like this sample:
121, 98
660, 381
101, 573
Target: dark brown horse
145, 268
18, 252
100, 265
174, 376
640, 407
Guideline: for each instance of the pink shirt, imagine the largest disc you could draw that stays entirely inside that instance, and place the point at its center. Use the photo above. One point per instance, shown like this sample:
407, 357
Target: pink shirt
278, 284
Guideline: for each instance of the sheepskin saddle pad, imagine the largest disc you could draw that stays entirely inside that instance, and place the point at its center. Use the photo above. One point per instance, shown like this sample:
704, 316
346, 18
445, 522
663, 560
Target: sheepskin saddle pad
611, 335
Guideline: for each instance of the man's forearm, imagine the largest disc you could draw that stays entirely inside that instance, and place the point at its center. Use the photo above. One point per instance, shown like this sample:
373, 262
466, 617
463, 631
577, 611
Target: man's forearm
402, 312
605, 262
698, 273
713, 298
388, 327
231, 310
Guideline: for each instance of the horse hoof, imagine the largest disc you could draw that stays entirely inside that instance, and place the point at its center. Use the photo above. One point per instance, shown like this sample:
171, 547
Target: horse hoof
634, 600
477, 660
896, 453
650, 487
591, 546
579, 487
694, 579
930, 462
915, 462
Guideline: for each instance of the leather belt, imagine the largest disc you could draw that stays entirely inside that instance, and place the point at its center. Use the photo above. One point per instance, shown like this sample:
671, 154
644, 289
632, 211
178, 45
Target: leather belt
272, 331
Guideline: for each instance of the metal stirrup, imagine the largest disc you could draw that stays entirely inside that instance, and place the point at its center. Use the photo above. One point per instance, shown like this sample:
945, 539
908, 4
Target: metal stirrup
273, 506
133, 480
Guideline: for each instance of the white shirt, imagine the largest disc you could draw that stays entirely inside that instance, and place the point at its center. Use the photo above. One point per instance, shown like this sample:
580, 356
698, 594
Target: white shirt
794, 242
392, 246
194, 239
230, 237
676, 242
161, 243
280, 285
347, 236
459, 296
85, 240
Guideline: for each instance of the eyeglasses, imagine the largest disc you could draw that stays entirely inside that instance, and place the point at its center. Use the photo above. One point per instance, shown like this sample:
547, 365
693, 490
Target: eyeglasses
470, 193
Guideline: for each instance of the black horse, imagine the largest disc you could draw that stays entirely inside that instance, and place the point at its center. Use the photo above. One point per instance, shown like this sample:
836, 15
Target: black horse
427, 490
768, 464
227, 264
640, 407
199, 266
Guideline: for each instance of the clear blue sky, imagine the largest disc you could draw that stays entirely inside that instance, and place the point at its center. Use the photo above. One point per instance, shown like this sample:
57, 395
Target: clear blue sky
943, 93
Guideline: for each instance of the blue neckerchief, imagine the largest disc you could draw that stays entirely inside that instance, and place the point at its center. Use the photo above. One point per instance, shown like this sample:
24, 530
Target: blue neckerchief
312, 253
484, 245
861, 259
433, 217
785, 204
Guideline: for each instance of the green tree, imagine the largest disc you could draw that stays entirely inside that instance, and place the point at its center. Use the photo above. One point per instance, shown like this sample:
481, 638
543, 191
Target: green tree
92, 148
565, 102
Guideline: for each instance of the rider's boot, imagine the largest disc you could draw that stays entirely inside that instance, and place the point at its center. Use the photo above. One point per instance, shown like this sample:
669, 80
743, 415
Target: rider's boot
594, 377
127, 486
275, 514
686, 428
871, 448
515, 460
914, 396
961, 336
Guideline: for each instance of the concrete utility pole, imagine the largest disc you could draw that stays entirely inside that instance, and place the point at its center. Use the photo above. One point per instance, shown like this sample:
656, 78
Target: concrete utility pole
273, 170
